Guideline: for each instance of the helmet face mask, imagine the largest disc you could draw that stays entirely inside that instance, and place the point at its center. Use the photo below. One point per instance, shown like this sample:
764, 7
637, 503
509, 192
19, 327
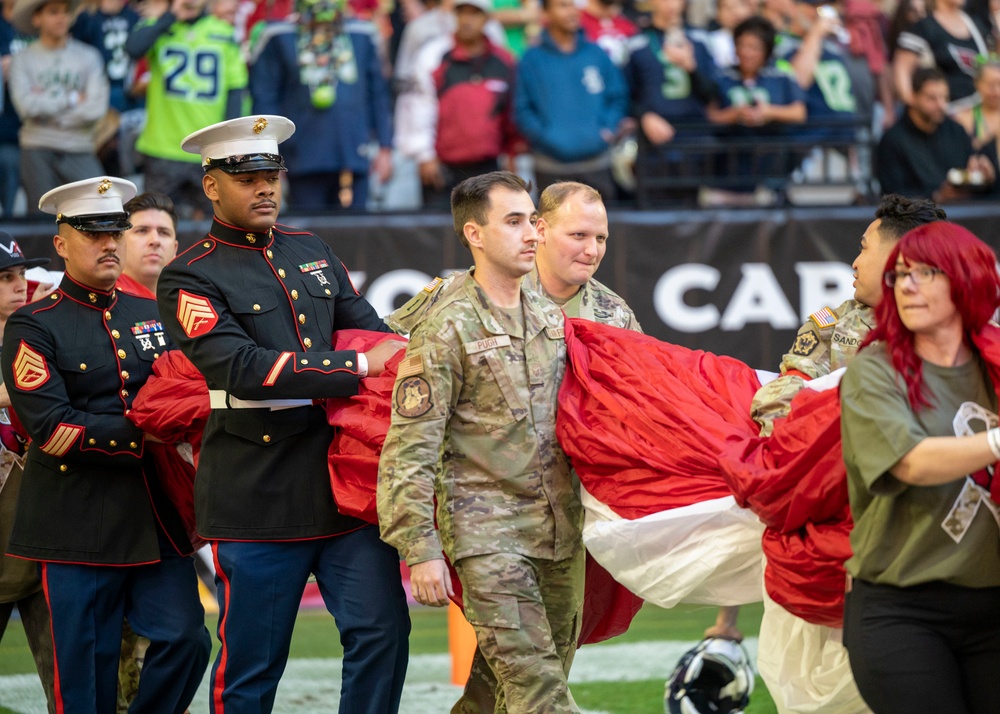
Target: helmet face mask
714, 677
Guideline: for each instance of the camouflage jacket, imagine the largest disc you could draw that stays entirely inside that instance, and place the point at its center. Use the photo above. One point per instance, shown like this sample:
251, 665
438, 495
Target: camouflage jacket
824, 344
595, 302
473, 424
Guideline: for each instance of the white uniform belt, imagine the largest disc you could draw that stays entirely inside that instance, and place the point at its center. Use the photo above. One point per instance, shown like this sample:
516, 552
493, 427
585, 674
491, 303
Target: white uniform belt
220, 399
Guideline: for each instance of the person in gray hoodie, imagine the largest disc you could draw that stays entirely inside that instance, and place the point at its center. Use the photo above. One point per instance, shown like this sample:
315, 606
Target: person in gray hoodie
60, 91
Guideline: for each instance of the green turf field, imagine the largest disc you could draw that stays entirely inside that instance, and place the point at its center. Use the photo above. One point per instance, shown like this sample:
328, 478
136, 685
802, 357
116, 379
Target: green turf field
316, 639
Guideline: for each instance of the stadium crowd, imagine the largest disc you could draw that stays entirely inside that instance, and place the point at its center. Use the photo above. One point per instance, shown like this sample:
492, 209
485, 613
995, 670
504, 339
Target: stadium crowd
398, 102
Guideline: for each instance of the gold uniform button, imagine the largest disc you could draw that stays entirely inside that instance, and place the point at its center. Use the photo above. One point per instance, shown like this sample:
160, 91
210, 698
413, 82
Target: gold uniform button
107, 314
116, 334
256, 307
112, 443
92, 297
295, 294
124, 392
266, 439
269, 253
303, 361
327, 291
307, 342
302, 319
348, 363
91, 441
281, 272
326, 363
121, 354
53, 297
156, 355
124, 374
83, 366
133, 445
206, 244
63, 467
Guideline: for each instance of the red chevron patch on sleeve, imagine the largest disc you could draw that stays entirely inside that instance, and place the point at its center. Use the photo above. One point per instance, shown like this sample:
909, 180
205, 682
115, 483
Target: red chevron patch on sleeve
30, 368
196, 314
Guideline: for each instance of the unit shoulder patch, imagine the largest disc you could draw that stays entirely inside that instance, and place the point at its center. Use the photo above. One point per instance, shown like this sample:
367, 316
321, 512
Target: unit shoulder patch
413, 397
805, 343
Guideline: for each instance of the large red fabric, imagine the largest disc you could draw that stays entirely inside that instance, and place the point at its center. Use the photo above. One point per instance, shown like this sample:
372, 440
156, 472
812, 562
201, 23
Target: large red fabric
650, 426
361, 424
173, 406
644, 421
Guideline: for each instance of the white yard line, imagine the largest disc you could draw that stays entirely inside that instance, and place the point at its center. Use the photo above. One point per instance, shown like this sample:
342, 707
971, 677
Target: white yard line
313, 685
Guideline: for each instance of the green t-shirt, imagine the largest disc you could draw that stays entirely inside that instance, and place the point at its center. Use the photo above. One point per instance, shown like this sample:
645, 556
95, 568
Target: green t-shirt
192, 67
906, 535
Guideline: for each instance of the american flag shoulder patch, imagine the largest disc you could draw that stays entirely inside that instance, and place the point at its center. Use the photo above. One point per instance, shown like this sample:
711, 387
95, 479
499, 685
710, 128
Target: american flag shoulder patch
412, 365
824, 318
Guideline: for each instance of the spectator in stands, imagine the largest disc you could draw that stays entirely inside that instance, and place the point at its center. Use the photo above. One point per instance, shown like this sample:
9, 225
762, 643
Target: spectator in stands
672, 75
603, 22
720, 42
982, 121
197, 78
807, 46
906, 14
569, 103
461, 113
60, 91
953, 40
916, 156
755, 96
150, 243
324, 74
105, 25
11, 42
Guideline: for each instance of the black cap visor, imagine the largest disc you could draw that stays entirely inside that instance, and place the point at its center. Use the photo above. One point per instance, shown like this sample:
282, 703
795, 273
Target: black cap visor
248, 162
99, 223
6, 263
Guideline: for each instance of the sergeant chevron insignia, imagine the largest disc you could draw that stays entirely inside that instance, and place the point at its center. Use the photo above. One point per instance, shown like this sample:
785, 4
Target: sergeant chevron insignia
30, 369
195, 314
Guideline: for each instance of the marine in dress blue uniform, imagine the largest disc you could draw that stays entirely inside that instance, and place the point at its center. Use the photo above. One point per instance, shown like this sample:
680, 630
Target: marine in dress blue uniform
255, 307
91, 509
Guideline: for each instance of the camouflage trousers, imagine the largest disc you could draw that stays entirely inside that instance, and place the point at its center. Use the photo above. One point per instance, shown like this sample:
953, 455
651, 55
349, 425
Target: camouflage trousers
526, 614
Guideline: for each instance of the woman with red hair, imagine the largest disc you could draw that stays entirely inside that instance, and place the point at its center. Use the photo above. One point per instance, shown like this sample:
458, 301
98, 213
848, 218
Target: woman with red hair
920, 441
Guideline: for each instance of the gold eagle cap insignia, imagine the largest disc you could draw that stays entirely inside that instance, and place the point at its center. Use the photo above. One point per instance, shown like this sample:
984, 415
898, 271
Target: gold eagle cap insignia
104, 186
259, 125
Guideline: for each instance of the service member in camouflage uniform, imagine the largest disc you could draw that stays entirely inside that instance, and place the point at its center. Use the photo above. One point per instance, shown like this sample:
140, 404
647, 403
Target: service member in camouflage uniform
478, 387
831, 337
572, 232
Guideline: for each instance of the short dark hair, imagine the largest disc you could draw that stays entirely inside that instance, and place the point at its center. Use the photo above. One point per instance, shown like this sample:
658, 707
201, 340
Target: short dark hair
150, 201
470, 200
899, 215
760, 27
923, 75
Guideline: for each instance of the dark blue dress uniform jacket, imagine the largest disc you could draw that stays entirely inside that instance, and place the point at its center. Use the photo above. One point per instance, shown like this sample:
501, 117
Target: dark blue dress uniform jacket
73, 363
256, 313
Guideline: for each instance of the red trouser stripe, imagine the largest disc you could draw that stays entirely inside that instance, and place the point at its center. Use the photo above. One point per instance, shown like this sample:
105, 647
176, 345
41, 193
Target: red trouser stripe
60, 707
219, 685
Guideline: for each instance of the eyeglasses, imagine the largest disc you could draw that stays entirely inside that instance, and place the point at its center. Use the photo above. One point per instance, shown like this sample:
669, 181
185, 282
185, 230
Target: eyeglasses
919, 276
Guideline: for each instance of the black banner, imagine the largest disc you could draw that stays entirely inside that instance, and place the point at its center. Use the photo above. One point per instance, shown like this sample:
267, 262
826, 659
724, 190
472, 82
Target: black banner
731, 282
